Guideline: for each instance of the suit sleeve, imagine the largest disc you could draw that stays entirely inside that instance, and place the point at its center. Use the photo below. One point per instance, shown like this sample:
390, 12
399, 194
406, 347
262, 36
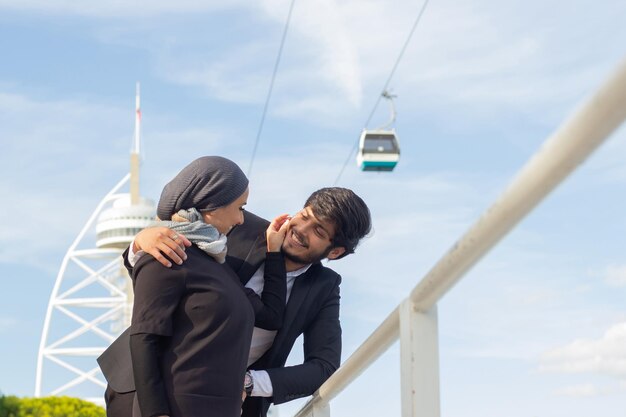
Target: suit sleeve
158, 291
322, 354
129, 268
151, 394
269, 308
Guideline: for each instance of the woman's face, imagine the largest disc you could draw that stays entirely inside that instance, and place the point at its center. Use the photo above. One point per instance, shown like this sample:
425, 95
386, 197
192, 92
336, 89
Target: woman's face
227, 217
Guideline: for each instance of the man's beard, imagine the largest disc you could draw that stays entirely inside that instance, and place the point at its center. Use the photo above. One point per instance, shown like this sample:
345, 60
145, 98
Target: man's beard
309, 259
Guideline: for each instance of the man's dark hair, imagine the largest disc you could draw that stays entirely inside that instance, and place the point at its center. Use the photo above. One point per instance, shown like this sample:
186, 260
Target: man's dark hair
346, 211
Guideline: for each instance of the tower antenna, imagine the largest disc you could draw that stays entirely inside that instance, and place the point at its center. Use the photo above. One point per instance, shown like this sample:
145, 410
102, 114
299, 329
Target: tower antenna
134, 154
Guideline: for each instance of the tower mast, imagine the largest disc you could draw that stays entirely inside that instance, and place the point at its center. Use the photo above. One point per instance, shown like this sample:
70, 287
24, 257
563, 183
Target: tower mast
134, 154
91, 302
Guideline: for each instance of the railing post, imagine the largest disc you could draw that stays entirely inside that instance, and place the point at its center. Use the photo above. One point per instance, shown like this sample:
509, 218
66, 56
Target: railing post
419, 361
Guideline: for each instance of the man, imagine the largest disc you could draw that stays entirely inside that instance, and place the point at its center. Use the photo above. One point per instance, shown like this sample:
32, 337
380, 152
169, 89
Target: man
330, 226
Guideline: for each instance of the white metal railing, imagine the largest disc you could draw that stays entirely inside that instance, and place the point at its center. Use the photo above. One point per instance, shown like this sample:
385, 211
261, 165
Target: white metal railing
414, 321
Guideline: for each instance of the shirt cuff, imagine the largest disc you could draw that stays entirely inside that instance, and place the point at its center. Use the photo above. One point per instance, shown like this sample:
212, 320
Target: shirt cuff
262, 384
132, 256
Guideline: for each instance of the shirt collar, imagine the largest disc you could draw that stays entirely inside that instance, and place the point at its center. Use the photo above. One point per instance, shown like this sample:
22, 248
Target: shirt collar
298, 272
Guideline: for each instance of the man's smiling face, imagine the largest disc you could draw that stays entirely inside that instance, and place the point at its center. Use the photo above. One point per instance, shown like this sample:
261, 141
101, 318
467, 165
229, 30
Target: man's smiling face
309, 239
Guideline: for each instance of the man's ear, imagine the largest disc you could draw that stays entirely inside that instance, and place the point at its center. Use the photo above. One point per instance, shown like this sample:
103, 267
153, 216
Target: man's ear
336, 252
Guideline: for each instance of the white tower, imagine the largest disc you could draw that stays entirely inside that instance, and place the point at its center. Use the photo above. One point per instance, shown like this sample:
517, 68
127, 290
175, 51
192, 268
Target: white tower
91, 301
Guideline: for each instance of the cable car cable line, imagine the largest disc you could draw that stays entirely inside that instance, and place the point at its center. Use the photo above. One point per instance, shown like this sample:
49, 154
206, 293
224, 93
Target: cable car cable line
385, 87
271, 87
386, 94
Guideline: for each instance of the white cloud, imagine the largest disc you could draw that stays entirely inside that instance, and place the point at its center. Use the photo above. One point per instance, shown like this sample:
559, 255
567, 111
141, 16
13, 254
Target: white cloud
583, 390
318, 76
615, 275
230, 76
590, 390
338, 55
325, 27
7, 323
606, 356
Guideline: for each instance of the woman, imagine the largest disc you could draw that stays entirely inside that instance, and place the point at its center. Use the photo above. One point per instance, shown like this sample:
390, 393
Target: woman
192, 323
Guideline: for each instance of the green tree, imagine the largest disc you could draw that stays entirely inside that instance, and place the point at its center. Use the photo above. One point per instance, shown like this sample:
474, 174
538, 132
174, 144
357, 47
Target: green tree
11, 406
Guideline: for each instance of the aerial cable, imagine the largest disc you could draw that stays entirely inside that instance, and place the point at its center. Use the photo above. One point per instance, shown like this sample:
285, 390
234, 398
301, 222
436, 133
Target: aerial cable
386, 94
384, 90
269, 92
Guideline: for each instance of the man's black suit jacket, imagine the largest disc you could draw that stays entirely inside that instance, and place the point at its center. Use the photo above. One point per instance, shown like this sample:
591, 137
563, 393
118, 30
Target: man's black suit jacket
312, 310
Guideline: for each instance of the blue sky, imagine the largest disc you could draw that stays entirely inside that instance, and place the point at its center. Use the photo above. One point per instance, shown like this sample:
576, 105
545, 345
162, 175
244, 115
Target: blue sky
537, 328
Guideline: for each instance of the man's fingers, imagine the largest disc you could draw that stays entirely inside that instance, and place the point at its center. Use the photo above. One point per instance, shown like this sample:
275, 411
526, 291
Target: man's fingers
172, 251
176, 244
185, 241
161, 251
162, 259
180, 240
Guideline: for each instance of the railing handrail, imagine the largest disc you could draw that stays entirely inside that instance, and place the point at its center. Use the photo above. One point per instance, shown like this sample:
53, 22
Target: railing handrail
559, 156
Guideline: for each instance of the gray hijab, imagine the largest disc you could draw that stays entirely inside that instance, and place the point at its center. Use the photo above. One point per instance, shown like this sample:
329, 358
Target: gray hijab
208, 183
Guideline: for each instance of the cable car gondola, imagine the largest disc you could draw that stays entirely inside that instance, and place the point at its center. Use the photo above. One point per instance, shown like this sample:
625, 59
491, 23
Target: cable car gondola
379, 149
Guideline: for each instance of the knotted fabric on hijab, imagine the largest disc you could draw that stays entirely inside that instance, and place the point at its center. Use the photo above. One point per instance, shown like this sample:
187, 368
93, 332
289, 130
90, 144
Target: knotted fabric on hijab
203, 235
